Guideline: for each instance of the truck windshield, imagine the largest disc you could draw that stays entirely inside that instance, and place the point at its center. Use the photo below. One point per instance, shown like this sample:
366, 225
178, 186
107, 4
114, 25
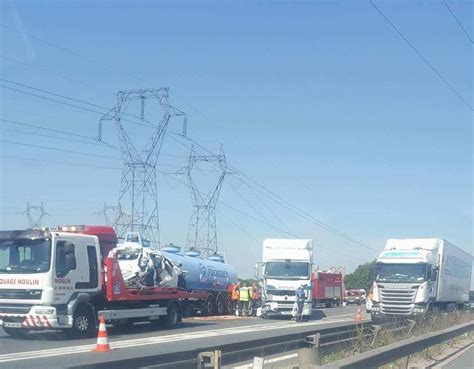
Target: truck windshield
407, 273
25, 256
278, 269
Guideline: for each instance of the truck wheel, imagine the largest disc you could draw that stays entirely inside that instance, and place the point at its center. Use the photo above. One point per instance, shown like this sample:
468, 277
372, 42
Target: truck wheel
187, 309
172, 316
83, 324
329, 304
210, 306
16, 332
229, 306
220, 305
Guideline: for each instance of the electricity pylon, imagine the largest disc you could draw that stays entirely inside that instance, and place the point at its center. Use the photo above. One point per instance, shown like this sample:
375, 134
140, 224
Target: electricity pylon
138, 190
35, 215
202, 231
106, 210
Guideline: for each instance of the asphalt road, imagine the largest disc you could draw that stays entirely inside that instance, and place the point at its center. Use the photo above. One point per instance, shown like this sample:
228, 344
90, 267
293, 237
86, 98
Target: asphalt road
464, 361
50, 350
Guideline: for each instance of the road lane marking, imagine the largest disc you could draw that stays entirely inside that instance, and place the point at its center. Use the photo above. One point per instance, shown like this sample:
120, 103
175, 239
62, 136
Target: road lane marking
28, 355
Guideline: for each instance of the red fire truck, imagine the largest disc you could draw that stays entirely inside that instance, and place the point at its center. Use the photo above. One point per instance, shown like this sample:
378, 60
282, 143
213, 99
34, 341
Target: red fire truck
327, 288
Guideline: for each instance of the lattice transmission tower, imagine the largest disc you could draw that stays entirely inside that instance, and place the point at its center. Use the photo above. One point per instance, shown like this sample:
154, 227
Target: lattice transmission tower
35, 215
202, 231
138, 194
110, 213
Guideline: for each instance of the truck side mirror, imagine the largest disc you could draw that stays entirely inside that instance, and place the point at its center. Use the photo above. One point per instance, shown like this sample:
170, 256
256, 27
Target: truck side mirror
258, 270
434, 275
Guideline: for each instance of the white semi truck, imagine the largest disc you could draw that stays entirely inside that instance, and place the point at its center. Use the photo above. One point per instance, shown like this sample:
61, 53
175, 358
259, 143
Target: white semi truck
416, 276
286, 265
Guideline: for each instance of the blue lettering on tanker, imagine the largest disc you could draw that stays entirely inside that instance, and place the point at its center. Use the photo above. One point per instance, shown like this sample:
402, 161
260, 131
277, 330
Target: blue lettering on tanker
457, 268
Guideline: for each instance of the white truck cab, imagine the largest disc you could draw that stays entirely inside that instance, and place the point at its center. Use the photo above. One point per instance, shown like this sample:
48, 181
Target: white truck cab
286, 265
45, 276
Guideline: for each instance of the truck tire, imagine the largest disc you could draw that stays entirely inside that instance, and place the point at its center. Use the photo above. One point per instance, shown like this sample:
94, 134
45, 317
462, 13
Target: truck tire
83, 323
329, 304
16, 332
172, 316
210, 306
220, 305
229, 306
187, 309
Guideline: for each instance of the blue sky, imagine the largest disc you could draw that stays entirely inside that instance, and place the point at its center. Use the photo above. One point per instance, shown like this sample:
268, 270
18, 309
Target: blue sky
321, 101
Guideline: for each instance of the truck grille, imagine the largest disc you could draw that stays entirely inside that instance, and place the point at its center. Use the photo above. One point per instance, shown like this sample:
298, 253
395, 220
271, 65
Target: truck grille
398, 302
20, 294
14, 309
281, 292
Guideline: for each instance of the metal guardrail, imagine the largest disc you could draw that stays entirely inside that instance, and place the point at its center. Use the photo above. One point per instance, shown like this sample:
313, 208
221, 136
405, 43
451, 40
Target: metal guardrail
395, 351
229, 353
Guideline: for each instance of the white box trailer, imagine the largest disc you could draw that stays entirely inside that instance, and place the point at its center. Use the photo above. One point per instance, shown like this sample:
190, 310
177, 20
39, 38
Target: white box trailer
454, 277
414, 276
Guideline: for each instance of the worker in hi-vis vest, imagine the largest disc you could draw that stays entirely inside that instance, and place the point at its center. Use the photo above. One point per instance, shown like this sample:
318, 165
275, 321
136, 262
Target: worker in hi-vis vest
245, 297
235, 295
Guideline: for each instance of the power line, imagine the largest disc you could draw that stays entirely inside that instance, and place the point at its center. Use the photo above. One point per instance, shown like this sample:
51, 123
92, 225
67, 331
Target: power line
73, 80
286, 232
48, 129
68, 98
61, 150
427, 62
55, 137
282, 201
58, 162
99, 143
52, 93
51, 99
69, 104
458, 21
69, 51
286, 204
267, 224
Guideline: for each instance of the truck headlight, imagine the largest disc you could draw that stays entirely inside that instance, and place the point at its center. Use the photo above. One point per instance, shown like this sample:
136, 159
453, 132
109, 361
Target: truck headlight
418, 310
375, 308
45, 311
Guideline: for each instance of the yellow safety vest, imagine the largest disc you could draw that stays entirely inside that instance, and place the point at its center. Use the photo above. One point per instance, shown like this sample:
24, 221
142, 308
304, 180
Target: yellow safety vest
244, 294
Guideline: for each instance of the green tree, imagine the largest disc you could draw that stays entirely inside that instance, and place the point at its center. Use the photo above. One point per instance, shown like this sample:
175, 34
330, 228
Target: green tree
361, 278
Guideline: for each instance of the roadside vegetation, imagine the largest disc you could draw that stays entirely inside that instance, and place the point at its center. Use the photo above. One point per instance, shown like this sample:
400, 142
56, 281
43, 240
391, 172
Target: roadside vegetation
368, 339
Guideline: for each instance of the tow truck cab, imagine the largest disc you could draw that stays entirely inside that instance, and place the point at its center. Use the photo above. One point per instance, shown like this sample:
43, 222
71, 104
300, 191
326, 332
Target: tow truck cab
52, 278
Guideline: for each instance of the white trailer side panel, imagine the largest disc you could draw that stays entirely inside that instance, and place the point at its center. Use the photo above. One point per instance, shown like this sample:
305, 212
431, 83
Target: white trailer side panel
454, 276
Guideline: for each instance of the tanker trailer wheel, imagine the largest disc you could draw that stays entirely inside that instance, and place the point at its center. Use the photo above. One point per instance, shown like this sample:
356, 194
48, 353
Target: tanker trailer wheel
220, 305
210, 306
229, 305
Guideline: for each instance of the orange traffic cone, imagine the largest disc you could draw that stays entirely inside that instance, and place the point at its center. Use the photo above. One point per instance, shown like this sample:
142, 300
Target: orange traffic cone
358, 317
102, 339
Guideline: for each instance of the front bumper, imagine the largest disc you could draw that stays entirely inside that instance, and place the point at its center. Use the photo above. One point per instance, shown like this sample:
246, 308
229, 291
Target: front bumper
381, 312
38, 317
279, 309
